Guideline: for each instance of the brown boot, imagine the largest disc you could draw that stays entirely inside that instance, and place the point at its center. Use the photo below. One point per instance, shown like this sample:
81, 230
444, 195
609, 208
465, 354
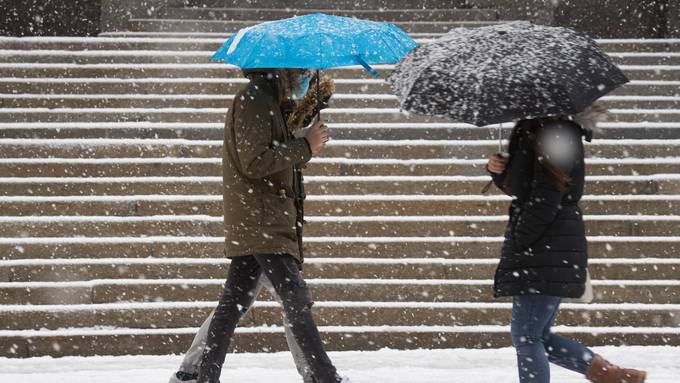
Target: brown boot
601, 371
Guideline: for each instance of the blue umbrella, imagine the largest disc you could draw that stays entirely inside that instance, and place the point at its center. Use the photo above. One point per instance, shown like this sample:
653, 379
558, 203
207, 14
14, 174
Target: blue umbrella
316, 41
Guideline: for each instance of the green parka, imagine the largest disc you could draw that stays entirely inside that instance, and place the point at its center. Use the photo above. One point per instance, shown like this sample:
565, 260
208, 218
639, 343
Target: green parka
258, 168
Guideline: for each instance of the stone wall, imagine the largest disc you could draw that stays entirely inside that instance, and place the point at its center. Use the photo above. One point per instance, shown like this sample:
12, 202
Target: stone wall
536, 11
49, 18
600, 18
616, 18
116, 13
673, 19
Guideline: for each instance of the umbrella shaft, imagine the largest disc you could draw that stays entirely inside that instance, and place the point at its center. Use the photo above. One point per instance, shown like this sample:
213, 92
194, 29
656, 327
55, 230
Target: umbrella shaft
318, 95
500, 138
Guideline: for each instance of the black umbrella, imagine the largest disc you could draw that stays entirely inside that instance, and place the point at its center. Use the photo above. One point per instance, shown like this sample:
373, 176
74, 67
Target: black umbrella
505, 72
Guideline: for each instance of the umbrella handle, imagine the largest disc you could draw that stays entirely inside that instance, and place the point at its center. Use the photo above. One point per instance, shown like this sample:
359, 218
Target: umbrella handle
500, 138
318, 96
370, 70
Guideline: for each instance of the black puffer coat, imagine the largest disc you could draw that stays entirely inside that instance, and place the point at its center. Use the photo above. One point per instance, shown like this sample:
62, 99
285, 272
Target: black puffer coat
544, 251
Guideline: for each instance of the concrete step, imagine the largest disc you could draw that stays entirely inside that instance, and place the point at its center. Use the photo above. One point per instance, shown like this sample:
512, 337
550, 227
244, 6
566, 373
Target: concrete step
341, 131
421, 290
223, 71
182, 41
197, 101
365, 149
221, 26
203, 167
380, 268
335, 4
399, 14
216, 86
645, 58
169, 86
316, 185
408, 248
185, 314
376, 226
121, 41
216, 115
124, 341
321, 205
157, 56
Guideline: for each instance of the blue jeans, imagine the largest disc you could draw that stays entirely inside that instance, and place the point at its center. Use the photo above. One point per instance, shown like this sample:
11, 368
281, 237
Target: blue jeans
536, 346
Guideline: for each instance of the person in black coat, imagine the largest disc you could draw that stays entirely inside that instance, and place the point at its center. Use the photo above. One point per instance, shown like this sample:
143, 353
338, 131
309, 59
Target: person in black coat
544, 256
545, 248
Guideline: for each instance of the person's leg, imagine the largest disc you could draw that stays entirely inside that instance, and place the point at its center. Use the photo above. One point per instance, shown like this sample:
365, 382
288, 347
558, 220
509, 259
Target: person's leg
566, 352
238, 295
530, 315
192, 359
188, 370
298, 356
282, 271
574, 356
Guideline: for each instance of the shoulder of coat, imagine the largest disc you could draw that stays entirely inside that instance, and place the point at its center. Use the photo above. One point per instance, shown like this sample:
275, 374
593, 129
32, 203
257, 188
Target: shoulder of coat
253, 93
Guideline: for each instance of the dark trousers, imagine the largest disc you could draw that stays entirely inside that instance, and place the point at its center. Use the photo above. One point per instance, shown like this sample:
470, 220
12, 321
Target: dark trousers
238, 296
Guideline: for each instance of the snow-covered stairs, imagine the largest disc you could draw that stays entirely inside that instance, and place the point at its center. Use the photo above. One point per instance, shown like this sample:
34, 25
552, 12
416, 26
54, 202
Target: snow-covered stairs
110, 206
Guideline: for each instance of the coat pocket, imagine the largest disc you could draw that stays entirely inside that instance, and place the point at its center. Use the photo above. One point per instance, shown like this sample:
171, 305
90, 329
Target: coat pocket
279, 212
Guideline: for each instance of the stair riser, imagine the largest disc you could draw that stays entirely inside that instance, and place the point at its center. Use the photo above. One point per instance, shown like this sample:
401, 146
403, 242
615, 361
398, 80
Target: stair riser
317, 229
223, 72
178, 344
214, 169
326, 292
327, 249
192, 44
326, 316
405, 151
159, 25
60, 273
336, 132
400, 14
229, 86
131, 115
346, 187
224, 101
328, 208
169, 88
203, 56
335, 4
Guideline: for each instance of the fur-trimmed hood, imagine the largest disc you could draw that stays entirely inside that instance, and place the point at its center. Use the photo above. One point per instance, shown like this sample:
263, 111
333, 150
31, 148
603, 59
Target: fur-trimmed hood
285, 80
308, 107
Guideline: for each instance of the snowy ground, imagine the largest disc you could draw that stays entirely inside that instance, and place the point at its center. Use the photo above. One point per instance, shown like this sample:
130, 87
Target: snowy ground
422, 366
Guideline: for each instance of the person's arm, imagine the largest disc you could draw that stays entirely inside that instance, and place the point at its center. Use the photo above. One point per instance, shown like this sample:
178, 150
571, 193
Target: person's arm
561, 151
498, 179
496, 162
258, 154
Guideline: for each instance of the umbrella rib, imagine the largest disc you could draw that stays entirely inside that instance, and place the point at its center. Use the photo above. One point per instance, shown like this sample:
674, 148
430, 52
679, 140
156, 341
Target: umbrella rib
382, 37
253, 46
413, 83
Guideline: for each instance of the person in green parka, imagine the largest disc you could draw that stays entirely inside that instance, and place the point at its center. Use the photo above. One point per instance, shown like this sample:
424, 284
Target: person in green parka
261, 218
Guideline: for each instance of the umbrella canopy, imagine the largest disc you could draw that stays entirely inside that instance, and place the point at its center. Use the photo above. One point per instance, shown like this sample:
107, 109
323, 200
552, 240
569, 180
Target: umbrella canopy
316, 41
506, 72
